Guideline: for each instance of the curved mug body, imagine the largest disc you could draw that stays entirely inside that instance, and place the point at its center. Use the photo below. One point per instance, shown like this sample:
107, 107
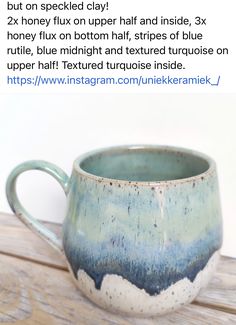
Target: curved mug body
143, 226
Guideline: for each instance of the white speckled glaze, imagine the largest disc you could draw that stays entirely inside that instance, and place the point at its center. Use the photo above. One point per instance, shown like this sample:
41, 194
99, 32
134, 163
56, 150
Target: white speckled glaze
119, 295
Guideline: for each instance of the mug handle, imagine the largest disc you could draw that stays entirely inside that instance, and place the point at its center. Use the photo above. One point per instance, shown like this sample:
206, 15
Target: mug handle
20, 211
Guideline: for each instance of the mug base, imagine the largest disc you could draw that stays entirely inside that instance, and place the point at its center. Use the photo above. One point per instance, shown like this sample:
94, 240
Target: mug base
118, 295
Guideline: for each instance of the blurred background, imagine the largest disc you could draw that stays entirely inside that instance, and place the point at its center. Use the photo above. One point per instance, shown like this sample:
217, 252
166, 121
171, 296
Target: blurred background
58, 128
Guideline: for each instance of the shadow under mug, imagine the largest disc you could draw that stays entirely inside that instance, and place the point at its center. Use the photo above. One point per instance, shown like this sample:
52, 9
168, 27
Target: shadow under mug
143, 226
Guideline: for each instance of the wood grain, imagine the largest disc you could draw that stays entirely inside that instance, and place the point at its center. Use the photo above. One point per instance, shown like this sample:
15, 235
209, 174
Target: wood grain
17, 240
38, 294
36, 288
220, 293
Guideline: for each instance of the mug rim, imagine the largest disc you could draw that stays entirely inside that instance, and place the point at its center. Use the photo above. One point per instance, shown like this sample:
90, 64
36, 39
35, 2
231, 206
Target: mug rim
211, 164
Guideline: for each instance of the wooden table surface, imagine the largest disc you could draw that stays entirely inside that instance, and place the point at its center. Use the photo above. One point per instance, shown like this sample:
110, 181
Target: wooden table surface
36, 288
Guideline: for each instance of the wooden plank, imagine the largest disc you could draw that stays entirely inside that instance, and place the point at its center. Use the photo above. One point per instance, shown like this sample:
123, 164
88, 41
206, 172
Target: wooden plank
37, 294
221, 291
227, 265
17, 240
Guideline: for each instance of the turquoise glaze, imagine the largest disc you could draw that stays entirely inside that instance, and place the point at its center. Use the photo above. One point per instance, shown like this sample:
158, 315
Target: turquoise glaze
148, 214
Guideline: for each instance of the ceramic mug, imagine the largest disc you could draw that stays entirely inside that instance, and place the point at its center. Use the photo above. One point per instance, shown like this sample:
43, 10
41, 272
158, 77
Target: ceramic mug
143, 226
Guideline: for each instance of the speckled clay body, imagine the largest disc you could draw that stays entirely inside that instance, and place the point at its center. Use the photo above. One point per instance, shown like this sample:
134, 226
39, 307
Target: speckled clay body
143, 227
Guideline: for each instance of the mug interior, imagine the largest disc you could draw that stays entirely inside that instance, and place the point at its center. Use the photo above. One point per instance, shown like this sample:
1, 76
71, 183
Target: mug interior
144, 164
